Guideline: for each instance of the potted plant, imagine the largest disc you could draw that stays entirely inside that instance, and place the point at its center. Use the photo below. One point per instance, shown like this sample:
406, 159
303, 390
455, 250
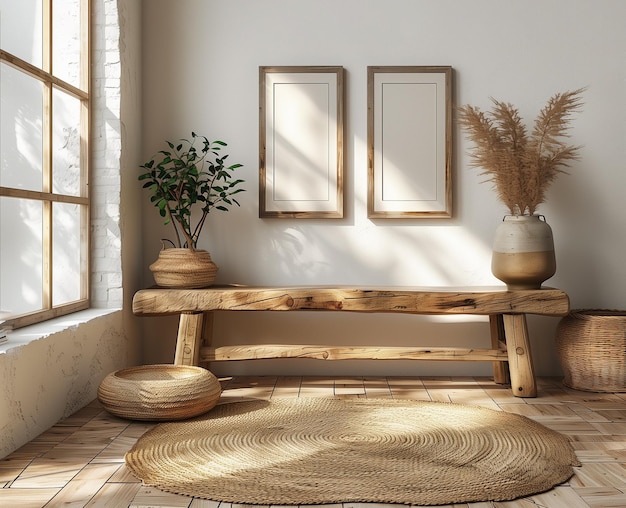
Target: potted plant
186, 183
522, 166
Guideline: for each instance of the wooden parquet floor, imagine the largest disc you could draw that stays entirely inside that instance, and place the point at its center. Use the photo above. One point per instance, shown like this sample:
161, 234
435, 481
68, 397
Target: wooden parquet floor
80, 461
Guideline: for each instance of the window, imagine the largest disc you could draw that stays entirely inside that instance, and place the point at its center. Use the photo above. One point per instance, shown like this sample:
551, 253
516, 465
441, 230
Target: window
44, 148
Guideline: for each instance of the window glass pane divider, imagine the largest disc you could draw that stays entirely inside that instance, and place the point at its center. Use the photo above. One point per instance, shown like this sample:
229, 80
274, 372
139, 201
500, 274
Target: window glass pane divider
43, 196
47, 36
47, 263
41, 75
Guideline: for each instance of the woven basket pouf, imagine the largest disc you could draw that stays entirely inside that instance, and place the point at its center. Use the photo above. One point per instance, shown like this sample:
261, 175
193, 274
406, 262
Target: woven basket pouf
159, 392
591, 346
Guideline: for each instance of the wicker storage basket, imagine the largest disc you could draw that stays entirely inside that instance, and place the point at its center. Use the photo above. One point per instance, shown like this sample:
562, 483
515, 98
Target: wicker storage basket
159, 392
184, 268
591, 345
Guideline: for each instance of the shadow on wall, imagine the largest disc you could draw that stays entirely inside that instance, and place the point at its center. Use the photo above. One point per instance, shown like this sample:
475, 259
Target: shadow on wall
394, 255
580, 212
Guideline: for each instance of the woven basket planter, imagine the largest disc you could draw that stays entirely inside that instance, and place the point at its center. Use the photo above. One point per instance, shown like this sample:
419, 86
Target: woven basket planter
184, 268
159, 392
591, 345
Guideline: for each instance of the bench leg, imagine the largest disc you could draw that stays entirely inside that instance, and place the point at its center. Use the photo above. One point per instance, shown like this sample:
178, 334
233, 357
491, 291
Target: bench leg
207, 337
500, 369
189, 338
523, 381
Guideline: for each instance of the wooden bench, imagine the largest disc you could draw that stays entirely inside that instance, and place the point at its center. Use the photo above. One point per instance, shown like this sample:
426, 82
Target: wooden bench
510, 346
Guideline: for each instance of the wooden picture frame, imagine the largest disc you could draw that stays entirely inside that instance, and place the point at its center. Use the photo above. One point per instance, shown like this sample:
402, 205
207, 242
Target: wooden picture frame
409, 142
301, 142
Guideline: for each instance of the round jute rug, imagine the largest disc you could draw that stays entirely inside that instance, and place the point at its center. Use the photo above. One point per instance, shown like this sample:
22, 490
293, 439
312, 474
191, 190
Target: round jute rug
318, 451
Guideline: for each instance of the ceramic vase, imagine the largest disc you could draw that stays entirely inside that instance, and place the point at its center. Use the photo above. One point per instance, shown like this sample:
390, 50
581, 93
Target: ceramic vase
184, 268
523, 252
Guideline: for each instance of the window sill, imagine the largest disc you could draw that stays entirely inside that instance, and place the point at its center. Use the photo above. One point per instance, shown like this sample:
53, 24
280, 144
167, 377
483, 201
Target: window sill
23, 336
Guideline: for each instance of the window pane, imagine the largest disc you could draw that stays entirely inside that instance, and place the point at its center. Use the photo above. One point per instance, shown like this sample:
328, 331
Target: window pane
21, 105
21, 250
44, 147
65, 253
21, 29
65, 144
66, 40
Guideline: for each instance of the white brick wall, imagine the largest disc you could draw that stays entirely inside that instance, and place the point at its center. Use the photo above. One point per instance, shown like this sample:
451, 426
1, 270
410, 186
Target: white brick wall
106, 267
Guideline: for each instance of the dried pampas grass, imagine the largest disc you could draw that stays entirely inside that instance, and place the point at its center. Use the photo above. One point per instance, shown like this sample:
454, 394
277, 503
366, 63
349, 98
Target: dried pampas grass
522, 166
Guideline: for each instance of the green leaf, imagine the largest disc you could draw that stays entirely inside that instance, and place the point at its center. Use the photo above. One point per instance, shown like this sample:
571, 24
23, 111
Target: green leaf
189, 174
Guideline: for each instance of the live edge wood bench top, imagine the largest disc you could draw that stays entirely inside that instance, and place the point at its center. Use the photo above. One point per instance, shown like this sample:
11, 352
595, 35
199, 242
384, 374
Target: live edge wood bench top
402, 299
510, 344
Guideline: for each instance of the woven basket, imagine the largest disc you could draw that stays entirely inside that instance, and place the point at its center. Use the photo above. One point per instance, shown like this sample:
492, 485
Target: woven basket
591, 345
184, 268
159, 392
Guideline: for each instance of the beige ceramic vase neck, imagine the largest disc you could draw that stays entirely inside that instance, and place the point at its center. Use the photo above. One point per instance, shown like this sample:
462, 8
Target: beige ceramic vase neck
523, 252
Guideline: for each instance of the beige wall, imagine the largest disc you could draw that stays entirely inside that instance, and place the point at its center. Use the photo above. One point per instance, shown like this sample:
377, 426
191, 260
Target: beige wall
47, 379
200, 65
